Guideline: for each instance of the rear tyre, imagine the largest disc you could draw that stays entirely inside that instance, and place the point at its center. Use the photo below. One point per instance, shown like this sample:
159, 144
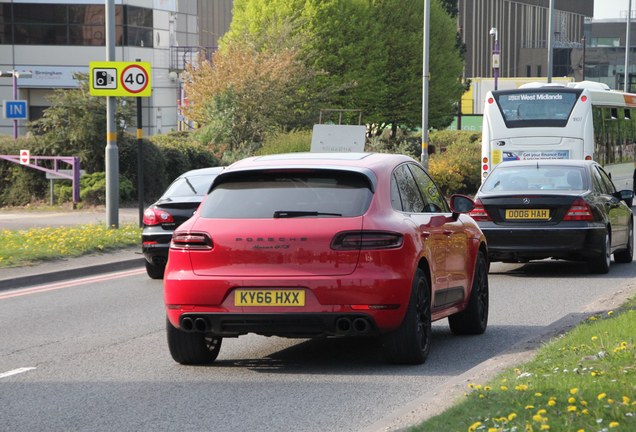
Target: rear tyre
155, 271
192, 348
626, 255
411, 342
600, 264
474, 319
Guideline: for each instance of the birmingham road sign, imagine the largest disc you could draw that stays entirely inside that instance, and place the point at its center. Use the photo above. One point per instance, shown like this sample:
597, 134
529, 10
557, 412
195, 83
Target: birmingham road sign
120, 79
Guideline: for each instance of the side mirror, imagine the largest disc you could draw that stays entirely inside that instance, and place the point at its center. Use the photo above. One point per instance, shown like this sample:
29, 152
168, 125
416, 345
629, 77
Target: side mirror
626, 195
461, 204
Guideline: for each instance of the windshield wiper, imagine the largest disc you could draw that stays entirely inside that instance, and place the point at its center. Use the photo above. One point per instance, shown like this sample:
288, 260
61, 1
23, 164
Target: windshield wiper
299, 213
190, 185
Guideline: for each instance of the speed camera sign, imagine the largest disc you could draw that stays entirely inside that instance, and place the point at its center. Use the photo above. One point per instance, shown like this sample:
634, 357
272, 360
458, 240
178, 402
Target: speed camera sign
120, 79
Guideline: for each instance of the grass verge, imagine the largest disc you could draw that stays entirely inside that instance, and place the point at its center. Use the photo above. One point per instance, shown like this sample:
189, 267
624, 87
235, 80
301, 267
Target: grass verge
26, 247
582, 381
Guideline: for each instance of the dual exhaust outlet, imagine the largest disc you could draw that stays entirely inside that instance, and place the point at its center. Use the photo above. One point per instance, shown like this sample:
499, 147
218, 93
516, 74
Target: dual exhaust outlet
358, 325
199, 324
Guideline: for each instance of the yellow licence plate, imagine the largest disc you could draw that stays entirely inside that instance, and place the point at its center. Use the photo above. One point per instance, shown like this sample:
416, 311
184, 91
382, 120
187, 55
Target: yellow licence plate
269, 298
536, 214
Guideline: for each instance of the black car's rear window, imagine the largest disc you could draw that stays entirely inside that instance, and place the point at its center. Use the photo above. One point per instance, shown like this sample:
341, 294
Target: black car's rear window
189, 186
304, 193
550, 178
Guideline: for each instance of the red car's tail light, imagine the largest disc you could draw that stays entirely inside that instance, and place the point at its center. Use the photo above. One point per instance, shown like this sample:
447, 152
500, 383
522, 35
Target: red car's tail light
191, 241
359, 240
579, 211
479, 213
153, 216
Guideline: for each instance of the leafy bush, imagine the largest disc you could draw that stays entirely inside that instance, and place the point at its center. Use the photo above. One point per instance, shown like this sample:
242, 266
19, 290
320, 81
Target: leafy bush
286, 142
455, 168
93, 190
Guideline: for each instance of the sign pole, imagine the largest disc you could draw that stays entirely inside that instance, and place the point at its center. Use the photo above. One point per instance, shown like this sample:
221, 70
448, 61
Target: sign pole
112, 152
140, 163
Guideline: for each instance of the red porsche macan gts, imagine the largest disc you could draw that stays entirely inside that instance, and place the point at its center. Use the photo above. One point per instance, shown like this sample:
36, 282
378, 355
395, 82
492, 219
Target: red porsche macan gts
325, 245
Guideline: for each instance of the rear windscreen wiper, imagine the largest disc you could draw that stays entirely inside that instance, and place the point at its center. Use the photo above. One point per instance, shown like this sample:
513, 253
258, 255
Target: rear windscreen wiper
297, 213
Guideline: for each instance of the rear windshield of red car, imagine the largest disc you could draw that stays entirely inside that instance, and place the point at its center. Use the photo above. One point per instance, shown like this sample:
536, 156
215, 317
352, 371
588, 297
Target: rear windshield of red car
304, 193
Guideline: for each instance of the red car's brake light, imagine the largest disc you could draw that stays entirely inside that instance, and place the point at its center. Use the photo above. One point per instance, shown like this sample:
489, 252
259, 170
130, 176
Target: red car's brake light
153, 216
479, 213
192, 241
359, 240
579, 211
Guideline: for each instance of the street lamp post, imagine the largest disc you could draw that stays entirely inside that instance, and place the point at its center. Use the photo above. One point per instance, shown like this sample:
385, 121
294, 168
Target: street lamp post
495, 55
15, 74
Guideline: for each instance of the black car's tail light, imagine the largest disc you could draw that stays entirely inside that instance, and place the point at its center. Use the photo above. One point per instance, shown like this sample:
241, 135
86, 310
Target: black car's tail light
479, 213
154, 216
191, 241
579, 211
365, 240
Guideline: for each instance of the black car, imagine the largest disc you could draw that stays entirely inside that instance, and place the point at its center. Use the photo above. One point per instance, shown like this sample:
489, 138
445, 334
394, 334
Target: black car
561, 209
177, 204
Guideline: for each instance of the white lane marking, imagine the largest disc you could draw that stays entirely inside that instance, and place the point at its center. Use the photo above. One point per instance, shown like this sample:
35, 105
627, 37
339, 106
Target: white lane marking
68, 284
15, 372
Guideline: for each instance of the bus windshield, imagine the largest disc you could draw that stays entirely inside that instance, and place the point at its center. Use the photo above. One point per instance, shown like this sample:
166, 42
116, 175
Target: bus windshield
548, 108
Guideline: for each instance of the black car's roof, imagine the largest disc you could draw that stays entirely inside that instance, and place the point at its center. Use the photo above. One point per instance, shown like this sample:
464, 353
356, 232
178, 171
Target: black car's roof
202, 171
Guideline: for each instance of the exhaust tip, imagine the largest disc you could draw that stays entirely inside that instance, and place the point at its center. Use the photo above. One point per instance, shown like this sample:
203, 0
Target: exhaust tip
361, 325
201, 324
343, 325
187, 324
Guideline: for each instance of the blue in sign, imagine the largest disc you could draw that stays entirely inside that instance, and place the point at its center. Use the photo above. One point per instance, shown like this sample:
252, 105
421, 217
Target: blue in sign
15, 109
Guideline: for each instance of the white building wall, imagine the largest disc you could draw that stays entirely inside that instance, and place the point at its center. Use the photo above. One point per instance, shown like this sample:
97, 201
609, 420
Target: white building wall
159, 111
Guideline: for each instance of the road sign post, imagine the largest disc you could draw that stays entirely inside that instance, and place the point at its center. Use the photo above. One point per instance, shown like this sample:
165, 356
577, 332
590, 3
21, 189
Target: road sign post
119, 79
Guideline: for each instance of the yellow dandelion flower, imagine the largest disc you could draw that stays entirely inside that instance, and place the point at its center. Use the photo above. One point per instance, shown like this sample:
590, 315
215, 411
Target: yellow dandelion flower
610, 313
493, 429
580, 430
601, 396
585, 411
545, 427
473, 427
583, 402
613, 424
571, 408
551, 402
574, 391
541, 411
529, 407
571, 400
538, 418
594, 338
487, 388
625, 400
610, 401
538, 394
512, 416
503, 388
521, 387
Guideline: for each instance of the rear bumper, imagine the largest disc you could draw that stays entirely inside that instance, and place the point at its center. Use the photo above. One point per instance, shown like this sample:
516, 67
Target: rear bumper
155, 244
296, 325
522, 244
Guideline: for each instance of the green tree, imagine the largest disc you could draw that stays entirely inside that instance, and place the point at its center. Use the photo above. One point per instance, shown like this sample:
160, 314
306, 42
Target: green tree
245, 92
75, 124
369, 50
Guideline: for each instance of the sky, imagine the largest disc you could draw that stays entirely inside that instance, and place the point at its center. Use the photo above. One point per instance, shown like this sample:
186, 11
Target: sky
612, 8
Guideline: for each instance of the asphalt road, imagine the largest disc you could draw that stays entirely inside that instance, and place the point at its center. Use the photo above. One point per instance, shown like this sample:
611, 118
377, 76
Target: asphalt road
14, 219
90, 355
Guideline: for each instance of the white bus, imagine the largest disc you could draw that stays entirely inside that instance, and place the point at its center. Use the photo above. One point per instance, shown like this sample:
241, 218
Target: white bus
584, 120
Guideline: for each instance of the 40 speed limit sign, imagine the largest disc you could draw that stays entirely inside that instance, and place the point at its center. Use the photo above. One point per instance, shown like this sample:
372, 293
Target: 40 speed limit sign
120, 79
